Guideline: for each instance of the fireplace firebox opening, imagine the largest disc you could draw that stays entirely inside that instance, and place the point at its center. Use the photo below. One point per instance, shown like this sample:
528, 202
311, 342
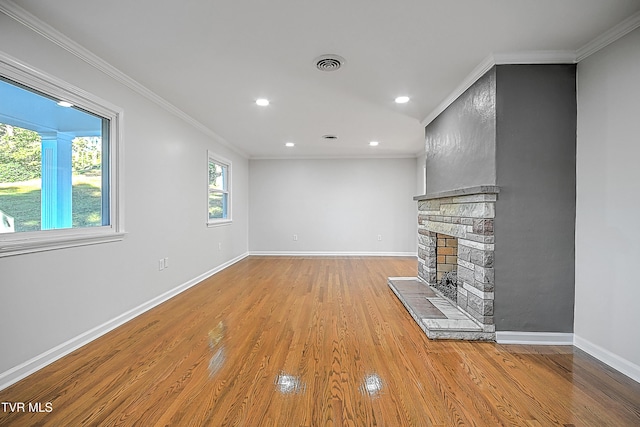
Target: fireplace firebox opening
447, 266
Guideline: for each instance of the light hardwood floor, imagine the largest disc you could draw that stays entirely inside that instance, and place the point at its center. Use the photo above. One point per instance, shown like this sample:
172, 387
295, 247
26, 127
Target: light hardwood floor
313, 342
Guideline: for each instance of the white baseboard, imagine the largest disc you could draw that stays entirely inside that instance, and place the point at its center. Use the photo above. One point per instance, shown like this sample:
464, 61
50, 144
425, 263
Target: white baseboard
618, 363
534, 338
336, 254
25, 369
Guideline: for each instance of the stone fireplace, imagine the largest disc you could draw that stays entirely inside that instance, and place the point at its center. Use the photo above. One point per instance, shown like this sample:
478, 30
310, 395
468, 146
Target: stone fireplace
452, 297
455, 235
513, 129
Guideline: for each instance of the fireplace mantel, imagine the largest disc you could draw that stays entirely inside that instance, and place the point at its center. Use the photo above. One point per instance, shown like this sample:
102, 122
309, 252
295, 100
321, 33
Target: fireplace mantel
479, 189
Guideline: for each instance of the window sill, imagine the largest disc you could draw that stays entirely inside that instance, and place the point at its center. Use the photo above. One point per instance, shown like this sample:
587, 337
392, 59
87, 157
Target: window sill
17, 246
219, 223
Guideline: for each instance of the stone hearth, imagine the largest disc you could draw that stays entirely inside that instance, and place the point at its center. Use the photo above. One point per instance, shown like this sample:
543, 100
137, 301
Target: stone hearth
435, 315
466, 216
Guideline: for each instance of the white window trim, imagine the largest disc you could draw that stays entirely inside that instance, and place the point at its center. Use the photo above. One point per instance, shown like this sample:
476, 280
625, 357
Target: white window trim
211, 156
37, 241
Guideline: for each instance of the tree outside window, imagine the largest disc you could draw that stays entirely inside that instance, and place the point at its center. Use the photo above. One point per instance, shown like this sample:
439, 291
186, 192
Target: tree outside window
219, 190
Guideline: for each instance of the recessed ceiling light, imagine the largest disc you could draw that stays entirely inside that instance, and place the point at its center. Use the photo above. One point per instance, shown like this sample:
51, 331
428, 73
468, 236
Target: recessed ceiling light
289, 144
374, 143
402, 100
65, 104
263, 102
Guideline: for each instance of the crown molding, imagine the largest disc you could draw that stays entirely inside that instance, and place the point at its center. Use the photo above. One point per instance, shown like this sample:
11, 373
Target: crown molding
338, 157
608, 37
48, 32
477, 72
536, 57
533, 57
529, 57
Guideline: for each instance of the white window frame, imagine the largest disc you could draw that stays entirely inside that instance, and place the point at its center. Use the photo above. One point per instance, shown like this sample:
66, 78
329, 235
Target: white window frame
44, 240
212, 157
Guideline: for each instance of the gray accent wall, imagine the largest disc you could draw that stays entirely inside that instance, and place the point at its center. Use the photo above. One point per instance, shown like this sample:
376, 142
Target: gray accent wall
460, 142
535, 219
516, 128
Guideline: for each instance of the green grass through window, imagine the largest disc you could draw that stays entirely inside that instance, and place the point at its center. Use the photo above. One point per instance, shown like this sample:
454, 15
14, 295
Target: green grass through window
21, 200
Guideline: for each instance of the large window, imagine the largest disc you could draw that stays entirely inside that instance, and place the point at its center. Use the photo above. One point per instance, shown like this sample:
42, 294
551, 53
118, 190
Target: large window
218, 190
58, 164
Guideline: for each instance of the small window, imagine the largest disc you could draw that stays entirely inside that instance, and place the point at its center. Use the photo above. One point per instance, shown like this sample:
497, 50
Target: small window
218, 190
58, 153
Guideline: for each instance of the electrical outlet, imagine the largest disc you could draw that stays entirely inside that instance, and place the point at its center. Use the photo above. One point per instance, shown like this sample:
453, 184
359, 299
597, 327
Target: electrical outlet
166, 262
379, 237
295, 237
220, 246
161, 264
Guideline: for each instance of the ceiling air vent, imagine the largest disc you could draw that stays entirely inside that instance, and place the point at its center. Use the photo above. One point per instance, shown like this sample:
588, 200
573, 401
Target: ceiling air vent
330, 137
329, 62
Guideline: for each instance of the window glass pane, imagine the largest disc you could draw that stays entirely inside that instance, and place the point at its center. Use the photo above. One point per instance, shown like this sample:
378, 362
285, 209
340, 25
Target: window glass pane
219, 190
217, 205
53, 163
217, 176
20, 170
87, 182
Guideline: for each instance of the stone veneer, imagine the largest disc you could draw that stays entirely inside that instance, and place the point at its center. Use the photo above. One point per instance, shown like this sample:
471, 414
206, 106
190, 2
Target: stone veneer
467, 214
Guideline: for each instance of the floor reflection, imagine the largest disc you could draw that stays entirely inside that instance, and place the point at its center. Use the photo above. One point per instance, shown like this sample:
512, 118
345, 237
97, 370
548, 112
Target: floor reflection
215, 344
372, 385
289, 384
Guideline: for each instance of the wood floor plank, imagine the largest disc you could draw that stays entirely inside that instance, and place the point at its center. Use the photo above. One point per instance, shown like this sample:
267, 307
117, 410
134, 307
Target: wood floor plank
281, 341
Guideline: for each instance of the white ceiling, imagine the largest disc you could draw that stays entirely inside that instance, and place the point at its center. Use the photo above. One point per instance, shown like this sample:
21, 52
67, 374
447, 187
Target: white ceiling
213, 58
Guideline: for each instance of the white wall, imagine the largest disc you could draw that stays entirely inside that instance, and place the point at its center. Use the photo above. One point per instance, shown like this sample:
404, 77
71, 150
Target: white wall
607, 316
333, 206
51, 297
421, 174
